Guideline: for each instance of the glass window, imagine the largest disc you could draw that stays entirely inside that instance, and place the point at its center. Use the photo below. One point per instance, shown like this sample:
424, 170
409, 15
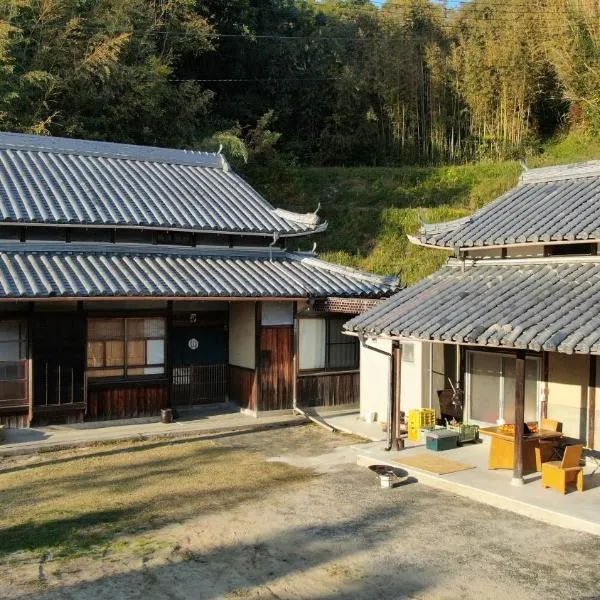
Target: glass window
342, 350
408, 352
492, 387
125, 347
311, 352
485, 377
322, 345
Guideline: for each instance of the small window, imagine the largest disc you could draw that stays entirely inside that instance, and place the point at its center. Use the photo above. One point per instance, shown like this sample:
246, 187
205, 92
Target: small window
94, 235
277, 313
408, 352
46, 234
571, 249
175, 238
323, 345
126, 347
133, 236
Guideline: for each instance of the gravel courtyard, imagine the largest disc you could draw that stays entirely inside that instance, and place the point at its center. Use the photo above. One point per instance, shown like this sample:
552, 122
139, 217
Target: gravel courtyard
287, 514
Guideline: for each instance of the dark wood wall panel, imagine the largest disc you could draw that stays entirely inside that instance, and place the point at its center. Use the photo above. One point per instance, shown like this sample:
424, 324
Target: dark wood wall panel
242, 387
126, 401
329, 389
276, 368
16, 419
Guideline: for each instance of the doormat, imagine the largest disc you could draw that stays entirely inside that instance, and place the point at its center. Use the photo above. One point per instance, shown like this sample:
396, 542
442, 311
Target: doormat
433, 464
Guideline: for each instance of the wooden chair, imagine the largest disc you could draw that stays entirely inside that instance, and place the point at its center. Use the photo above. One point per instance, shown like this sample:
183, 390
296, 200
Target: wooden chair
558, 474
549, 449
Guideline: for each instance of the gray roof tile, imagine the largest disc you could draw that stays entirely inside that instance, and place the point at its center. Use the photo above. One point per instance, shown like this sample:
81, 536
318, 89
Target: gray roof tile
36, 270
46, 180
549, 204
531, 305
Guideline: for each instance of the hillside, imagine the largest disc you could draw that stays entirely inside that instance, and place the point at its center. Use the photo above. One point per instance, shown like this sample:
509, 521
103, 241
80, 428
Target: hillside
371, 209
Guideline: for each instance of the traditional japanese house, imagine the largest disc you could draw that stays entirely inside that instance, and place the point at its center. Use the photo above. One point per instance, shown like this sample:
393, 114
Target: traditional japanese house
512, 318
136, 278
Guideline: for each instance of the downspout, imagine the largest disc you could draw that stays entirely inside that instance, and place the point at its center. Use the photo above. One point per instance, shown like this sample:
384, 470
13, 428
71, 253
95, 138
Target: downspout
390, 406
275, 240
430, 374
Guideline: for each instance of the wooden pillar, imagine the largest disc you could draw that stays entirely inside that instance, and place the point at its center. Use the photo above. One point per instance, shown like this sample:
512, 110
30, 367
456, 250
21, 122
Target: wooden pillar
169, 353
546, 389
591, 433
517, 478
295, 339
257, 354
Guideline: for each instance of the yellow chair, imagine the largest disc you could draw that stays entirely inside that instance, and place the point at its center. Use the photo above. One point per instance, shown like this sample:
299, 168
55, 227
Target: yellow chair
558, 474
549, 449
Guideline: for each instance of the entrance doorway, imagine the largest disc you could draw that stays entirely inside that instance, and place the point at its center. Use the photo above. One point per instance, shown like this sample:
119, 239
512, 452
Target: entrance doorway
58, 352
199, 354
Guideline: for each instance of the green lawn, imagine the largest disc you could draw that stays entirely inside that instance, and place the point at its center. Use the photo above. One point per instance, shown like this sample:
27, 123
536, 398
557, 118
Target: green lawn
370, 209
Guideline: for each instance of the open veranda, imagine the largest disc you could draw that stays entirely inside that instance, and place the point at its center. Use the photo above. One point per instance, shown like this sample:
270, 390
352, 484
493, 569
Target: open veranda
284, 513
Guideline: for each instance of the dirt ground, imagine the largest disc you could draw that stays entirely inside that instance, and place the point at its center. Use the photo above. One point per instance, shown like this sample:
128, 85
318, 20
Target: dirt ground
332, 534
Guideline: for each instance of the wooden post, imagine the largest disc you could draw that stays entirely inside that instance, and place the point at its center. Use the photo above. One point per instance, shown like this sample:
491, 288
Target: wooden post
169, 353
591, 433
257, 357
517, 478
545, 371
295, 339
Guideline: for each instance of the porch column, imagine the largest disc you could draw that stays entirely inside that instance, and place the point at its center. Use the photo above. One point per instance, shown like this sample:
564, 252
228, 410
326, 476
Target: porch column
517, 478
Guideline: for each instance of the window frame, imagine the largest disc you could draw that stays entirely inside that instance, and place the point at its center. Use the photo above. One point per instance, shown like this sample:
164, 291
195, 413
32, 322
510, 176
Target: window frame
20, 366
328, 317
125, 367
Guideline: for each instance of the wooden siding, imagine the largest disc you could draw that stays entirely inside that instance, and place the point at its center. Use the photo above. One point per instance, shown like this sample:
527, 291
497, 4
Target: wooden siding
329, 389
276, 368
15, 419
242, 387
121, 401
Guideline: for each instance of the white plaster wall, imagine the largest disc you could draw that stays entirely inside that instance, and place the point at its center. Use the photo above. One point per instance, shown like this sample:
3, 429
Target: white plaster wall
411, 382
437, 381
242, 338
375, 374
568, 377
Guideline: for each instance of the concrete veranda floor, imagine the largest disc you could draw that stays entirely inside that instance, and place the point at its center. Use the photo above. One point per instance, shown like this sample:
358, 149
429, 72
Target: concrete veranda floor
213, 418
578, 511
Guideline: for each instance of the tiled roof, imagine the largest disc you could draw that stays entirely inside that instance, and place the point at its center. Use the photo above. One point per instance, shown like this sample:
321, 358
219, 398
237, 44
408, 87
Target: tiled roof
529, 304
46, 180
549, 204
84, 271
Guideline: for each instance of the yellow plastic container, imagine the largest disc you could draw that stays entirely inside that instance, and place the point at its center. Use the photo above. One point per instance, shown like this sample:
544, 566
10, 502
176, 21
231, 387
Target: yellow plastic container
418, 419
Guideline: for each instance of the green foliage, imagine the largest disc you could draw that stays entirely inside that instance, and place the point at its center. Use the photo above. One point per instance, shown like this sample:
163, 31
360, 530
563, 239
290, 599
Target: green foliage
370, 210
101, 69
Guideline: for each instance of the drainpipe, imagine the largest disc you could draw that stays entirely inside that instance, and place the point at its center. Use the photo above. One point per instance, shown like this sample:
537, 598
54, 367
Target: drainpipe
430, 374
275, 240
390, 406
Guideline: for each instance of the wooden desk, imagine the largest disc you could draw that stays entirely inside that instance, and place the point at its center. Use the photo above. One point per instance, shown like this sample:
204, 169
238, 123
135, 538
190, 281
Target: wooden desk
502, 447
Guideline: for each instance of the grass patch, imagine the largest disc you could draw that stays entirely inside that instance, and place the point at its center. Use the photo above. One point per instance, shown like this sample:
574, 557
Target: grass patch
371, 209
109, 500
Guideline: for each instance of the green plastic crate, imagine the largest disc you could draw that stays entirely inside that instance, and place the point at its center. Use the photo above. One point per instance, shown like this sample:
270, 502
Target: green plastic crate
466, 433
441, 440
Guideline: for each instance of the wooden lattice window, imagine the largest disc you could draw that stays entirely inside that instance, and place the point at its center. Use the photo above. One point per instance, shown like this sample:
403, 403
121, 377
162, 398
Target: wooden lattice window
130, 347
13, 364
